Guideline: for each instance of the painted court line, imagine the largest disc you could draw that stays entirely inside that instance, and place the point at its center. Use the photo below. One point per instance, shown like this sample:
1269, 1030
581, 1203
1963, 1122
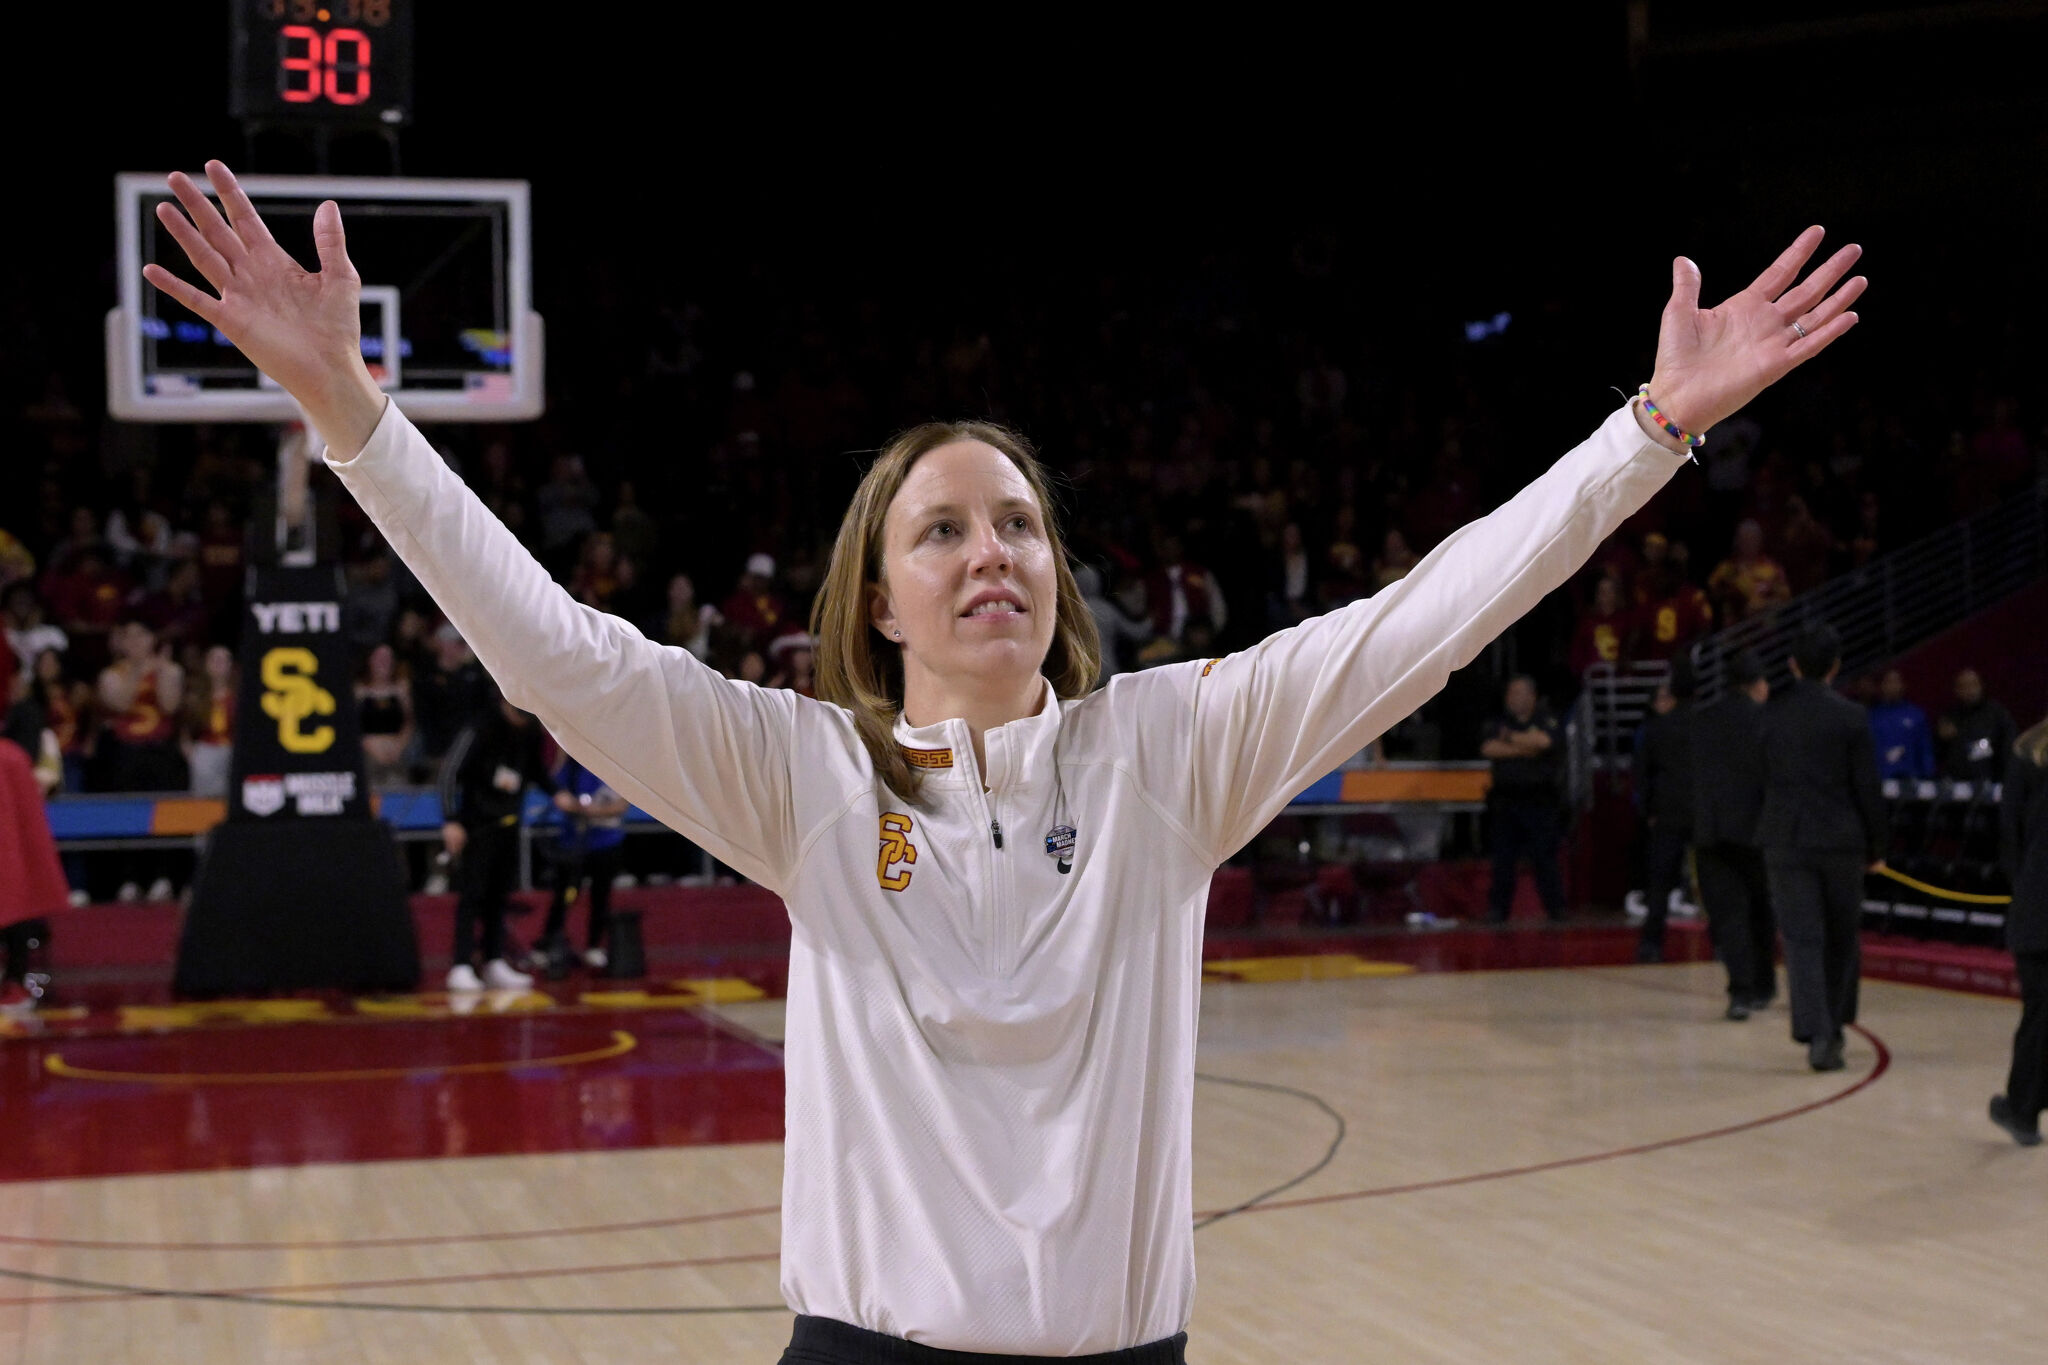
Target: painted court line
1884, 1062
261, 1295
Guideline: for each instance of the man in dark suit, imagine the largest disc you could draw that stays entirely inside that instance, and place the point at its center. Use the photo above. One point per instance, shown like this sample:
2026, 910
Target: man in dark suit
1664, 787
2023, 848
1822, 826
1728, 799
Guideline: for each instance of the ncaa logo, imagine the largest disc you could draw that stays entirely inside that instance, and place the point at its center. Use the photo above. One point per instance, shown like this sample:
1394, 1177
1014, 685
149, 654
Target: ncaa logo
263, 795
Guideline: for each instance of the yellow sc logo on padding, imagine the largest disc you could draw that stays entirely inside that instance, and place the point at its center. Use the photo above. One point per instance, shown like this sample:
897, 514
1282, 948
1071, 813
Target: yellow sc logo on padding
291, 697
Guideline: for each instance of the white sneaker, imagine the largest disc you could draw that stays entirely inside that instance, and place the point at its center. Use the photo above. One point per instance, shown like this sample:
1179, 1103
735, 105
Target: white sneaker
159, 890
462, 977
1637, 905
596, 960
129, 893
500, 975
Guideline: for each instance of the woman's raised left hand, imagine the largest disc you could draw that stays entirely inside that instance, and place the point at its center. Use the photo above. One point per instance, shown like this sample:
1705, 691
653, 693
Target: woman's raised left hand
1712, 361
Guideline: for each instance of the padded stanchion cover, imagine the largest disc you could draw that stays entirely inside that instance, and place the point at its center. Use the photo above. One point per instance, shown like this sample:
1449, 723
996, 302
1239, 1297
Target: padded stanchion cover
287, 906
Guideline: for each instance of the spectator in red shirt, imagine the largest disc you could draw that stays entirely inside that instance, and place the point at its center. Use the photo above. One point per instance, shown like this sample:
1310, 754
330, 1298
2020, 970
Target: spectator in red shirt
84, 530
141, 695
1806, 546
1672, 612
87, 597
756, 613
1604, 629
222, 559
1653, 568
178, 614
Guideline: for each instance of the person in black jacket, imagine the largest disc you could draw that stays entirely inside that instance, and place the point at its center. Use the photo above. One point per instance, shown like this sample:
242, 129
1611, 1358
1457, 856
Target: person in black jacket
2023, 848
1823, 825
1664, 772
483, 785
1728, 800
1524, 808
1976, 734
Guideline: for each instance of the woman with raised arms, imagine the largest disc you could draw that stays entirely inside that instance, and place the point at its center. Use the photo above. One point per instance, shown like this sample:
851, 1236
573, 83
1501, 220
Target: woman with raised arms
995, 877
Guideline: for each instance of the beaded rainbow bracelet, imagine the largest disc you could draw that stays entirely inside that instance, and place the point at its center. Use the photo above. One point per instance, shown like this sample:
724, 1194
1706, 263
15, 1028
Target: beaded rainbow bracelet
1678, 433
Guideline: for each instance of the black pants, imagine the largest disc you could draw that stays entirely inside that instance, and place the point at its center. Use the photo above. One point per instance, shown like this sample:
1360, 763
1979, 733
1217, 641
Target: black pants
1737, 899
1665, 874
490, 859
2024, 1087
824, 1341
599, 865
1819, 900
1521, 827
145, 768
15, 941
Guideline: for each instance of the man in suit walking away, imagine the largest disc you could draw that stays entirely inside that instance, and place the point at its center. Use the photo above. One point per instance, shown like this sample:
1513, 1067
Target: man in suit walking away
1664, 772
1728, 800
2023, 848
1823, 825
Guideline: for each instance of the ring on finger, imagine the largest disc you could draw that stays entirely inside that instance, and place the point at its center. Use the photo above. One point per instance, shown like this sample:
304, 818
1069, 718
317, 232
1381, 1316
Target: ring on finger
1801, 330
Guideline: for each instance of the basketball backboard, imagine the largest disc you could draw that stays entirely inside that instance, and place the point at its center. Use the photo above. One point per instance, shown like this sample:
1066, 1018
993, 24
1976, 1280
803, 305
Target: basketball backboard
448, 326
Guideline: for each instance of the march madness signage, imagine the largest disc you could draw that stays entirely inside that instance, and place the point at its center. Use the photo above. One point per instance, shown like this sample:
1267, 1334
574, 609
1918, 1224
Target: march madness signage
298, 742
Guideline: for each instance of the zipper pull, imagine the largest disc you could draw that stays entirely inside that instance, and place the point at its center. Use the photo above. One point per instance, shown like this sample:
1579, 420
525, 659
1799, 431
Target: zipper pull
995, 827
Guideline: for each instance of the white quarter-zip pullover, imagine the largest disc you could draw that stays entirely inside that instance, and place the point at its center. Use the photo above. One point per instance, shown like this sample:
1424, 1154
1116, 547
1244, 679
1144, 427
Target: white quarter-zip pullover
990, 1063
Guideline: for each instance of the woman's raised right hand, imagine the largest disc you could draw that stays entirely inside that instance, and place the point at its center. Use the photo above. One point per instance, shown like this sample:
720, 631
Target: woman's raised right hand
302, 328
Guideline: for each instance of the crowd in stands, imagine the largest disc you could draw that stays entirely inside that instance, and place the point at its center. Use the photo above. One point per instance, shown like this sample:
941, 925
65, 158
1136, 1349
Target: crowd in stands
1228, 469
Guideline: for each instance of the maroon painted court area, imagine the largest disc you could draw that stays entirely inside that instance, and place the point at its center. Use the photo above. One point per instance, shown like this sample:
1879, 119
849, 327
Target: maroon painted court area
96, 1085
105, 1291
685, 1080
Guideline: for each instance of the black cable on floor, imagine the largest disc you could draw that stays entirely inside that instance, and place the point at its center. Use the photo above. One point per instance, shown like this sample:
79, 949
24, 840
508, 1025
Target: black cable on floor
1336, 1141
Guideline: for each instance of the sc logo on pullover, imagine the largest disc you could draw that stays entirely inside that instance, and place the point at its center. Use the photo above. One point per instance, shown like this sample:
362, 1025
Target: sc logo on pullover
896, 850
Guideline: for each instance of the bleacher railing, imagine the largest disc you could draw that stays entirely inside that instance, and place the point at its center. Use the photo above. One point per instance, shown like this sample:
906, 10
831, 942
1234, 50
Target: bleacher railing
1881, 610
1613, 702
1898, 600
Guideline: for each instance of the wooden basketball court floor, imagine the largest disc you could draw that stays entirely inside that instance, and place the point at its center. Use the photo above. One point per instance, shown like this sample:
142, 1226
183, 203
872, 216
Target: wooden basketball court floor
1577, 1165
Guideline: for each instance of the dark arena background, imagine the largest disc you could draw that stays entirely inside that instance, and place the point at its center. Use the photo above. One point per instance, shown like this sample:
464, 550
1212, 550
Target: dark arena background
1282, 300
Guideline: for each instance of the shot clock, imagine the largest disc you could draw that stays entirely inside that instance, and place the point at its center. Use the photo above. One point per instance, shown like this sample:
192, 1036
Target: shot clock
322, 61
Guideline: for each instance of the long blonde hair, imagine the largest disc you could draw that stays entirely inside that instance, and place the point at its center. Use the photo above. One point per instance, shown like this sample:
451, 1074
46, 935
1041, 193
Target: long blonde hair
860, 670
2032, 744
